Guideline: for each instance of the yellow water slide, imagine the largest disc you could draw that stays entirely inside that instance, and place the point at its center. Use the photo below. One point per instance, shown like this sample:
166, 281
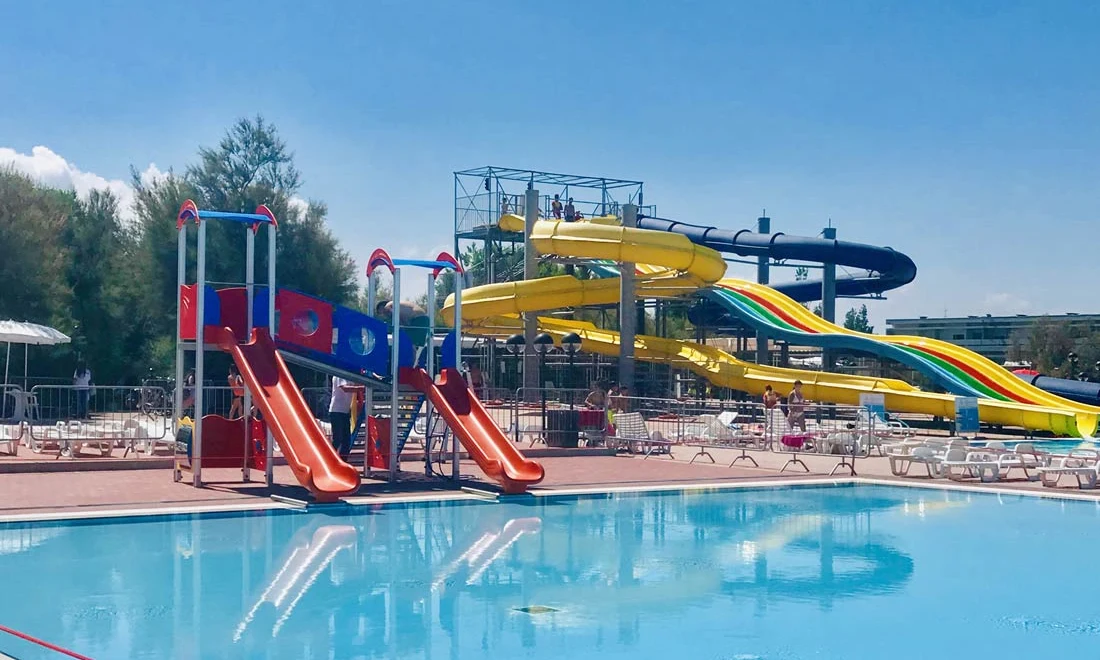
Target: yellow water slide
974, 367
674, 266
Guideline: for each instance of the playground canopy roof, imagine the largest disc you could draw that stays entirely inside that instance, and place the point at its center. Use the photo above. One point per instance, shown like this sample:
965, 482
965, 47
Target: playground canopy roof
21, 332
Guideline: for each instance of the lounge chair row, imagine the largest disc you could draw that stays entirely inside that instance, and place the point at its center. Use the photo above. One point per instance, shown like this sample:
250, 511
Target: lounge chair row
956, 459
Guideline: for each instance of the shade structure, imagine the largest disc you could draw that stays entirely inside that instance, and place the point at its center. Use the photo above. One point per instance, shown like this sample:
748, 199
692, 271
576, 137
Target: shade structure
22, 332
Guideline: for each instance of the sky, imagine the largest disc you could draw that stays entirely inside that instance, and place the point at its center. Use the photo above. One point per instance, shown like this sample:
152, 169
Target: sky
962, 133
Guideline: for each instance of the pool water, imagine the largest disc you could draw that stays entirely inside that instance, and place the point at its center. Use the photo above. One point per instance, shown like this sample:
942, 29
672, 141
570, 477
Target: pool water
799, 572
1060, 446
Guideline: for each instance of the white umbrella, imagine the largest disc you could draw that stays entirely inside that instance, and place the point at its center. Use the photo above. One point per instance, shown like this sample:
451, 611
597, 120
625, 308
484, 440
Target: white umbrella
21, 332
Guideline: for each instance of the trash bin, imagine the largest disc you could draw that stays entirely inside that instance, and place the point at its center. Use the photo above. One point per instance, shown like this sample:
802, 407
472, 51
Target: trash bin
563, 428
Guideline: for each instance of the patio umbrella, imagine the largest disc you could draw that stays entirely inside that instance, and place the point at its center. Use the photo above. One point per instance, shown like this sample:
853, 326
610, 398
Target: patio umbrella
21, 332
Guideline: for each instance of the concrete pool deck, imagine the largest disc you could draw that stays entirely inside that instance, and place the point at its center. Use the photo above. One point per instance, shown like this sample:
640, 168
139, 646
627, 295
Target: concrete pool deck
47, 494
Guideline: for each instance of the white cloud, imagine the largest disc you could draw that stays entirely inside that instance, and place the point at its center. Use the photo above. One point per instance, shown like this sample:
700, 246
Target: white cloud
299, 203
50, 168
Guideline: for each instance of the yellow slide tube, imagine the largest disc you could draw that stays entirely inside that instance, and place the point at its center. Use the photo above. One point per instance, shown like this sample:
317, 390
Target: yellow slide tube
672, 265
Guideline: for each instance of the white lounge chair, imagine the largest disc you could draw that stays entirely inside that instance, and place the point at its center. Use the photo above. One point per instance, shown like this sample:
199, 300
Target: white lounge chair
1084, 464
881, 426
711, 433
631, 432
926, 456
958, 464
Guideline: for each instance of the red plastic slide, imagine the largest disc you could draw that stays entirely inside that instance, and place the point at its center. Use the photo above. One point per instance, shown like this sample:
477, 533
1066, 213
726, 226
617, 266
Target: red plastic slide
308, 452
490, 448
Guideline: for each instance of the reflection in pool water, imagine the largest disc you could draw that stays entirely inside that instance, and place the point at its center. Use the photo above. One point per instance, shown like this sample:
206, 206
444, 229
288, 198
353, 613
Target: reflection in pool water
727, 573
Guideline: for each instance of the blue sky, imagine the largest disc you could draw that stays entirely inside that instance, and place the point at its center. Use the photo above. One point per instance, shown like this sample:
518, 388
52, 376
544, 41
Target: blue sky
964, 134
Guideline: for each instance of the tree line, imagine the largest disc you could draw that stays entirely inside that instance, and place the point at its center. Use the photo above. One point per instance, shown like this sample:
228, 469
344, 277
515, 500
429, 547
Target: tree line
110, 284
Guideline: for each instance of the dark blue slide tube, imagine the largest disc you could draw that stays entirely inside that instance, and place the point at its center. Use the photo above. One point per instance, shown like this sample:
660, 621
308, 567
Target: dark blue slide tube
886, 268
1080, 391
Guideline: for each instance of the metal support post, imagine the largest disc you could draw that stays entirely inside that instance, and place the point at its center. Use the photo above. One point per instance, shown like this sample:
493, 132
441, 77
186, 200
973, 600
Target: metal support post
395, 361
627, 315
181, 277
269, 442
456, 473
371, 302
429, 365
250, 292
200, 320
530, 272
764, 226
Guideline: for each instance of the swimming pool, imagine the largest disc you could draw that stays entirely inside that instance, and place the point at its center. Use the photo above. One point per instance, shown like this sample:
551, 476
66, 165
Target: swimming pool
1058, 446
854, 571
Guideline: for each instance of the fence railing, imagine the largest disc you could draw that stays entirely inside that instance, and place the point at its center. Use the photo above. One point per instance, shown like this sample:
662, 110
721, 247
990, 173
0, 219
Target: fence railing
68, 418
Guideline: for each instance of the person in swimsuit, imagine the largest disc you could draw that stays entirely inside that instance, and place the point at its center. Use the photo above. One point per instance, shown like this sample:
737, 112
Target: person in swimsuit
236, 386
796, 407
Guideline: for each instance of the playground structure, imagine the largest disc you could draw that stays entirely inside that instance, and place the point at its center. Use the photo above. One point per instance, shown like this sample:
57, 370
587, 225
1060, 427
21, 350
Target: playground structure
263, 327
639, 258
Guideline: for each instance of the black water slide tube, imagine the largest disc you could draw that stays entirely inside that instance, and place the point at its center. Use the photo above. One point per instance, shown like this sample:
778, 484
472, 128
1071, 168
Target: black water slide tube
1075, 390
886, 268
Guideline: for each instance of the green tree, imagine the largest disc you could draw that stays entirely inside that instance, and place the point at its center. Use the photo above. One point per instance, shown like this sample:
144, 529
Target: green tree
32, 268
1047, 345
856, 319
100, 271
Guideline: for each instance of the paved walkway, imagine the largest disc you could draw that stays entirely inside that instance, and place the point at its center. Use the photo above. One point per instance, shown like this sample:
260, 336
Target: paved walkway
34, 493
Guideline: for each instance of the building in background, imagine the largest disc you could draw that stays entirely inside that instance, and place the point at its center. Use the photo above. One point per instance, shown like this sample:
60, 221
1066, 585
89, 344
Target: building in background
987, 335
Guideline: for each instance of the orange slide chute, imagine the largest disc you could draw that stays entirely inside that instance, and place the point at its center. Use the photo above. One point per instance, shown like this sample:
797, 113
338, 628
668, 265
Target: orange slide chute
310, 455
489, 446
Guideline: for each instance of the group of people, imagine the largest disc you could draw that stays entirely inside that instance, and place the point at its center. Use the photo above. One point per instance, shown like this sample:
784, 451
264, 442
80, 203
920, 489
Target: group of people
614, 398
567, 211
796, 404
559, 211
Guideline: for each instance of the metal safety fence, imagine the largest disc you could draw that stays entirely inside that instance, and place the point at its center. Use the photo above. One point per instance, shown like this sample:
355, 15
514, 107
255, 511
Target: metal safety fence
106, 418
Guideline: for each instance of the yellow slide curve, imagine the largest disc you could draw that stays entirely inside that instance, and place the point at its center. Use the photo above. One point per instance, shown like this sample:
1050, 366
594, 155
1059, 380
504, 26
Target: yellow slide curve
674, 266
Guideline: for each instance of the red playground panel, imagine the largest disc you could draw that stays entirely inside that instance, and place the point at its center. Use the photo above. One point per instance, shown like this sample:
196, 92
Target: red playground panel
234, 311
304, 321
189, 309
378, 443
223, 443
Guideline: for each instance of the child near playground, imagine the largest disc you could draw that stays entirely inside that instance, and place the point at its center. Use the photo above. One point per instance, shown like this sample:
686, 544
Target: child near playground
236, 386
555, 208
796, 407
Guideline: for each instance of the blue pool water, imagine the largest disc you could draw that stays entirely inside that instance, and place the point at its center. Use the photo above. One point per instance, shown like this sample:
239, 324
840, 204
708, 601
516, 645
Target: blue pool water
1060, 446
808, 572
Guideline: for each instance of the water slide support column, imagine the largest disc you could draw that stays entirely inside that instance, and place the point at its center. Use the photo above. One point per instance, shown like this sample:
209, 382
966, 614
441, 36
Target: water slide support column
828, 301
764, 226
627, 315
530, 272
